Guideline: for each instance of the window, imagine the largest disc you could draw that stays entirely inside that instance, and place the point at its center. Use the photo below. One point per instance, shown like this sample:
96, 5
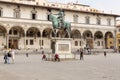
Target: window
98, 21
80, 43
17, 12
98, 43
42, 42
33, 16
118, 41
26, 42
87, 35
108, 22
49, 12
87, 20
75, 18
10, 32
38, 34
76, 43
31, 42
15, 32
0, 11
33, 13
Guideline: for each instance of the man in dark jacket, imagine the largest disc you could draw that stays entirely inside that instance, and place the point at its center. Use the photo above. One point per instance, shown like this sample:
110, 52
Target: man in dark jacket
5, 58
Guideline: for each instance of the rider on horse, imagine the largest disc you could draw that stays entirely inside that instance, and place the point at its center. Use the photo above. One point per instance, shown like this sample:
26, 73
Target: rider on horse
59, 23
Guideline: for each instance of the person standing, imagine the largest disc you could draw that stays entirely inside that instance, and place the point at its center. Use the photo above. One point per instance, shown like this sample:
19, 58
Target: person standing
27, 55
5, 58
81, 55
13, 56
44, 57
57, 58
105, 53
9, 56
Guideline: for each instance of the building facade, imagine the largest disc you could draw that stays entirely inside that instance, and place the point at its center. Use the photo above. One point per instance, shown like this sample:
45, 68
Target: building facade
118, 35
26, 25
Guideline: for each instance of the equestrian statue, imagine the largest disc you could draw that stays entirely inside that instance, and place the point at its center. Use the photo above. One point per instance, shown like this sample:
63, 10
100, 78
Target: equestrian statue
58, 22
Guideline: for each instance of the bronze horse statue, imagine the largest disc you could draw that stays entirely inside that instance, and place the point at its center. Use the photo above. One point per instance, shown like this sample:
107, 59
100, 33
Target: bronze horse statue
59, 23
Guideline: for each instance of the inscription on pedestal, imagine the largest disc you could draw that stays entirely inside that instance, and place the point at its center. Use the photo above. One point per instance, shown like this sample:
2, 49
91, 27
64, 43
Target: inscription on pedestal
63, 47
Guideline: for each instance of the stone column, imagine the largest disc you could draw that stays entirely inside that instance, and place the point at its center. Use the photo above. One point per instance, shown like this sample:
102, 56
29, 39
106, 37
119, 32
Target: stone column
103, 32
7, 36
41, 38
7, 39
115, 47
25, 41
25, 32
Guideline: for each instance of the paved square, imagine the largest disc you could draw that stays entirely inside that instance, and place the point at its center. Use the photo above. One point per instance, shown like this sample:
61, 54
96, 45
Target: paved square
94, 67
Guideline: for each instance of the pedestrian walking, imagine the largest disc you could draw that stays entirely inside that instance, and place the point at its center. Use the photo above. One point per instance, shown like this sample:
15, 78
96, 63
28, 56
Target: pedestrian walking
81, 55
105, 53
27, 55
13, 56
42, 52
5, 58
57, 58
9, 56
44, 57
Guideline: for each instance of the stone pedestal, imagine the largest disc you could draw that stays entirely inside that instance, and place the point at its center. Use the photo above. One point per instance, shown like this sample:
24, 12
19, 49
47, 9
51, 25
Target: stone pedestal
62, 46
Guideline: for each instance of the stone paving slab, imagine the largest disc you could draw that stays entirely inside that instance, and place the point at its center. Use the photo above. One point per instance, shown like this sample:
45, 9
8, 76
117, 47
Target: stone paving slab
94, 67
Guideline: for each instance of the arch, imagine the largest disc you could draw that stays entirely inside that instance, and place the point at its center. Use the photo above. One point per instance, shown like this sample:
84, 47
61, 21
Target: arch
3, 33
88, 37
75, 34
15, 33
2, 30
87, 34
33, 32
47, 32
109, 40
108, 34
15, 30
98, 35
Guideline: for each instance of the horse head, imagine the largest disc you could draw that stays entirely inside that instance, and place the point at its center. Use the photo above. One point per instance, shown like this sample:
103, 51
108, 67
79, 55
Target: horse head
54, 20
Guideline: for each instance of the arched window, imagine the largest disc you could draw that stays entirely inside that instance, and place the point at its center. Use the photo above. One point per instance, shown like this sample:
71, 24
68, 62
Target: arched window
13, 32
30, 33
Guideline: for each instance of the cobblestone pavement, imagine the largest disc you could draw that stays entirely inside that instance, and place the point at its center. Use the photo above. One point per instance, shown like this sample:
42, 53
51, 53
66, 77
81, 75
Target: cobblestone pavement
94, 67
